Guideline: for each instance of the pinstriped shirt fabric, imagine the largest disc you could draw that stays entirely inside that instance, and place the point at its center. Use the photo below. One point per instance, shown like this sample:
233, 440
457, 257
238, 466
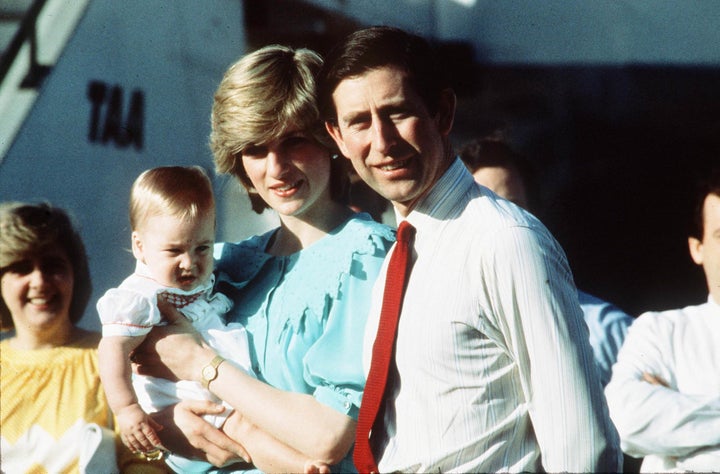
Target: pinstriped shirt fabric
495, 368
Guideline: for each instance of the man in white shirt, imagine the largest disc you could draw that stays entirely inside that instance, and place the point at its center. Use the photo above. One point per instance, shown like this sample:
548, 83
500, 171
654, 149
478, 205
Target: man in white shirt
664, 395
495, 165
493, 369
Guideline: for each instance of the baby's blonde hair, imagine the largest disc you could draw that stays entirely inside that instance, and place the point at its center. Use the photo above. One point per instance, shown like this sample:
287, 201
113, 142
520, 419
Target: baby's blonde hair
184, 192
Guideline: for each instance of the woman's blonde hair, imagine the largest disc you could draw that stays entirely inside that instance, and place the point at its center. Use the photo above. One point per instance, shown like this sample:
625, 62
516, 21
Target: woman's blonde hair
28, 230
180, 191
261, 96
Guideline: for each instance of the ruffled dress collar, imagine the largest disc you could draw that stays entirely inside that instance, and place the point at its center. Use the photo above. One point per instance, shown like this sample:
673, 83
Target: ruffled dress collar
323, 263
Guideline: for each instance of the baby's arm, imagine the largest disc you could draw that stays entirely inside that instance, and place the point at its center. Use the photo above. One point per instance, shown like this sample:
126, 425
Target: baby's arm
268, 453
137, 430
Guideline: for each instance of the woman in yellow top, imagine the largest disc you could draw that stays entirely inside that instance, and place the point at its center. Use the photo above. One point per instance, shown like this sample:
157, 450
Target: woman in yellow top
53, 411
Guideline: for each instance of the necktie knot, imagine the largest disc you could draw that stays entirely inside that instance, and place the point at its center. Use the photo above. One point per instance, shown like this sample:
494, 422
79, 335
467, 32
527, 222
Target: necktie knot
405, 232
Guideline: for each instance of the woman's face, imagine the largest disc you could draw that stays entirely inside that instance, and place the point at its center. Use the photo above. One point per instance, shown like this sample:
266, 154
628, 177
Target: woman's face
38, 290
291, 173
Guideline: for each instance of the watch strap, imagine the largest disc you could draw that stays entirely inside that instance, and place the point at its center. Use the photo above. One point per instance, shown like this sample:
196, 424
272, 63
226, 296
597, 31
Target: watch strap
210, 372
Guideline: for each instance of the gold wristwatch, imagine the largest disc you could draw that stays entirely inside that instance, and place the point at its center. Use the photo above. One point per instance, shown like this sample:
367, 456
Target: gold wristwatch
210, 371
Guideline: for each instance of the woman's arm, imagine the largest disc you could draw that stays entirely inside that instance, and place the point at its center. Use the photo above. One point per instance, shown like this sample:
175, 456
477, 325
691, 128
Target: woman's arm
205, 442
269, 454
297, 420
186, 433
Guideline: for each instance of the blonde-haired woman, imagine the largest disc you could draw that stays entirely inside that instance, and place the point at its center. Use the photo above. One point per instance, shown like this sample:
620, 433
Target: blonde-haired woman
302, 289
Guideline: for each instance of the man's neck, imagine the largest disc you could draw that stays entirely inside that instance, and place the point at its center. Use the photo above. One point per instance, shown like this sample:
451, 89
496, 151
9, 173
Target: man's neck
403, 209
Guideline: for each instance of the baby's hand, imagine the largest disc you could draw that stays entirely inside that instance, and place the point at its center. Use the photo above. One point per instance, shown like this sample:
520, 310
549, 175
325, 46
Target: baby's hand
316, 467
137, 429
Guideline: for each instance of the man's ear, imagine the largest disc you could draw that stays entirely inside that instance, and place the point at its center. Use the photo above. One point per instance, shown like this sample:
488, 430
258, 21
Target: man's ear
445, 115
334, 130
696, 250
137, 248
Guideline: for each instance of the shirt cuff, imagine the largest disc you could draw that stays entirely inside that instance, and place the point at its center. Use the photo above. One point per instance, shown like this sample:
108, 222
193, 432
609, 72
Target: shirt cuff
119, 329
343, 400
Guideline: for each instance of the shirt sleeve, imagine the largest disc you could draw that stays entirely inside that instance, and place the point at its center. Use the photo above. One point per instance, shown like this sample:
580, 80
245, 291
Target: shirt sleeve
608, 326
540, 317
127, 313
334, 364
653, 419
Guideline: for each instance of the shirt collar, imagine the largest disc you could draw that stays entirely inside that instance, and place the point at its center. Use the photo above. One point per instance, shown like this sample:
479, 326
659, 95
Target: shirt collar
440, 201
714, 303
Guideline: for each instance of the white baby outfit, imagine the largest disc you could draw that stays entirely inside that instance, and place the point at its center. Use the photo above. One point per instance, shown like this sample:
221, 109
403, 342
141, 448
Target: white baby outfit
131, 310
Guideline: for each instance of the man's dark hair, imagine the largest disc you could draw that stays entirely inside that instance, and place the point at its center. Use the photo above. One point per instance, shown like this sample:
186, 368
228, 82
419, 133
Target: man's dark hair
377, 47
707, 186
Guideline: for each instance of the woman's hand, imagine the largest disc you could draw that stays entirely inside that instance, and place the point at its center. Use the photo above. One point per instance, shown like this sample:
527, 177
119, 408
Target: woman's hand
175, 351
188, 434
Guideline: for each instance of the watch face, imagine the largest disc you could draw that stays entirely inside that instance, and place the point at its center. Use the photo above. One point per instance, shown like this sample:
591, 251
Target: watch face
208, 372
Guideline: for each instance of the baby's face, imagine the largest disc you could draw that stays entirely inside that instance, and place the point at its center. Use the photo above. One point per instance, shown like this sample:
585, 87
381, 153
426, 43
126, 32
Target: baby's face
178, 252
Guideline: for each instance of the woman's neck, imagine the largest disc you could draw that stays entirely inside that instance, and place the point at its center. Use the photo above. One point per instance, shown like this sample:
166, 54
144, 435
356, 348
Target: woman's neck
299, 232
32, 339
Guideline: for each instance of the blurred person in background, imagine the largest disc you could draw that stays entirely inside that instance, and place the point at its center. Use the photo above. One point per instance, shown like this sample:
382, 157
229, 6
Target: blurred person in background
664, 395
53, 410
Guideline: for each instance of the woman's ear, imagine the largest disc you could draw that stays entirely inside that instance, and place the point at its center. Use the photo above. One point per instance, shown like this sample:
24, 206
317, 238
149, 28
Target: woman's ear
445, 115
137, 248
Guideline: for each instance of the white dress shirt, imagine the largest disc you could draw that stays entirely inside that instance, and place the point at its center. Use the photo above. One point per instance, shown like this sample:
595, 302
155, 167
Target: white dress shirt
495, 369
675, 427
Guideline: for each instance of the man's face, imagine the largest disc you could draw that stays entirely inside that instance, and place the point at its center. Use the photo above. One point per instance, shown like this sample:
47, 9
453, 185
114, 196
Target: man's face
386, 131
706, 252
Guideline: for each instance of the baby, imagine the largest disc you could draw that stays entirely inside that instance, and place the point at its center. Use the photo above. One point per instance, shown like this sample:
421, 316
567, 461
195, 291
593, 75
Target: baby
172, 217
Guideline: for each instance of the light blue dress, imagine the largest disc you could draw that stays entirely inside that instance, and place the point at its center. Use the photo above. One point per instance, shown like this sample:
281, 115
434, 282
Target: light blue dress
305, 313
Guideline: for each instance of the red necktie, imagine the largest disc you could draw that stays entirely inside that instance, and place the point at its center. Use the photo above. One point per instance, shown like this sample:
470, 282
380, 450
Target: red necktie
382, 348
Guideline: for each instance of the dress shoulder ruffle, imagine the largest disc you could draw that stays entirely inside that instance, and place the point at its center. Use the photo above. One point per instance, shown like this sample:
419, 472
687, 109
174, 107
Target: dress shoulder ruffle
327, 267
317, 272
